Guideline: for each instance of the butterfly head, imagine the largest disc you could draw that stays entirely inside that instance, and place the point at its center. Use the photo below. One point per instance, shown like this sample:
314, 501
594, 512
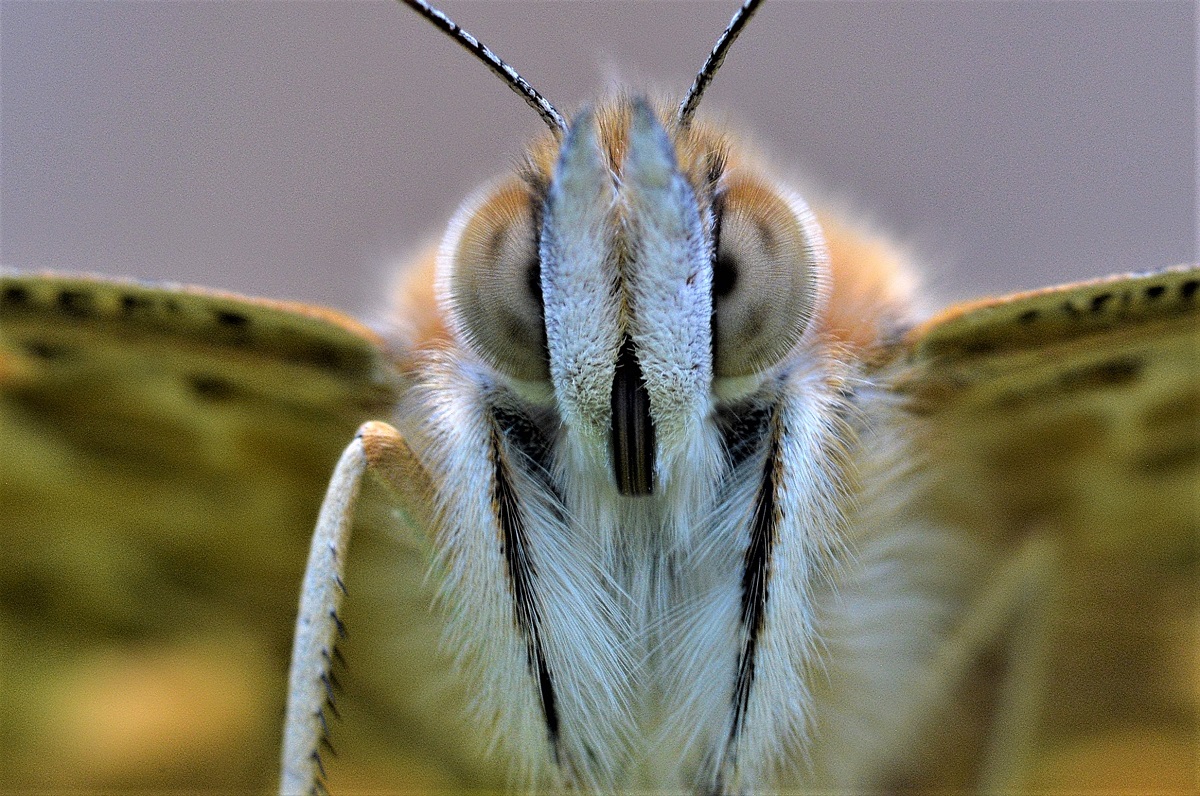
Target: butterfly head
634, 273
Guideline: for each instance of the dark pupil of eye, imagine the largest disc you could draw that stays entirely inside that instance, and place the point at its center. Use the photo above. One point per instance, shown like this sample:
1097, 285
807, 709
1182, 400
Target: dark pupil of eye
724, 276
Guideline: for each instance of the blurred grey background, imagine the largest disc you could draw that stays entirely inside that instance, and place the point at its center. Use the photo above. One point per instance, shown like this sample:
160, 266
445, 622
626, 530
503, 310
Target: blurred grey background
301, 149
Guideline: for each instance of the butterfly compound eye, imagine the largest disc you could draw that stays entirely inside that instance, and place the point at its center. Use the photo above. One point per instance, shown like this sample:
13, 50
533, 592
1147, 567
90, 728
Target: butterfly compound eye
765, 277
494, 284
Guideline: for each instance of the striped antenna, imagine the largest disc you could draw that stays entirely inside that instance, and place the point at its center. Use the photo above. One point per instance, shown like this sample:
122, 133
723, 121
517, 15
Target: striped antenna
552, 117
687, 108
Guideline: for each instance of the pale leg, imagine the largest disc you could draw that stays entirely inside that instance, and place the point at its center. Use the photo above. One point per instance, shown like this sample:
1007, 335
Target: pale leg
377, 448
1016, 605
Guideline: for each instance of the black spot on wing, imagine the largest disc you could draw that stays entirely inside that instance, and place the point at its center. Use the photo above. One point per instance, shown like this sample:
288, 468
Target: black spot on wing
1109, 373
1176, 458
14, 296
212, 388
231, 319
76, 303
133, 305
1114, 373
47, 351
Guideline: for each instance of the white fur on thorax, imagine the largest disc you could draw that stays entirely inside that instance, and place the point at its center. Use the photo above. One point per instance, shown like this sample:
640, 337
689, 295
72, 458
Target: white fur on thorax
641, 599
454, 412
650, 547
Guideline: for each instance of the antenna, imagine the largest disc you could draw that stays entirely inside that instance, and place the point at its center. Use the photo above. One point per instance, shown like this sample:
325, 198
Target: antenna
687, 108
550, 116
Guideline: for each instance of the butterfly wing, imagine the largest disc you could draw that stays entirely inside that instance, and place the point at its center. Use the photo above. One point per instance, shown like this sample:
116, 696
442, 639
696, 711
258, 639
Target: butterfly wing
163, 452
1075, 412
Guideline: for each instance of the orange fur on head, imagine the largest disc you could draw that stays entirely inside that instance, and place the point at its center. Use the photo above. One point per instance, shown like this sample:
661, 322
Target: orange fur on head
870, 289
416, 322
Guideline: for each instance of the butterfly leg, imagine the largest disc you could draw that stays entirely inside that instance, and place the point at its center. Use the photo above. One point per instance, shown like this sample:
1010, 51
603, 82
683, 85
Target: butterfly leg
381, 450
1011, 614
1010, 750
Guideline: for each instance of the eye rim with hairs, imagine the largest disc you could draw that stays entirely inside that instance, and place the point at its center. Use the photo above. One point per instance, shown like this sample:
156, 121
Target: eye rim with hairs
492, 279
767, 269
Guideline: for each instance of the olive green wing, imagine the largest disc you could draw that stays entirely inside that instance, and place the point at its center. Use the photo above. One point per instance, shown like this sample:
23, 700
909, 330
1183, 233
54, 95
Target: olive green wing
1074, 413
163, 452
